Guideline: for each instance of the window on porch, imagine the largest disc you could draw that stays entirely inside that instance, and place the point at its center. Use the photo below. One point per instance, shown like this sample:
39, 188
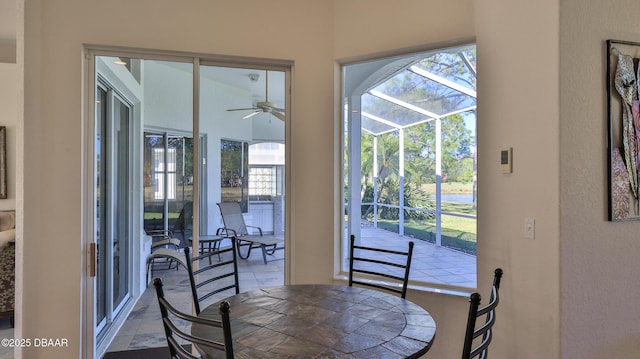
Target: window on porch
409, 161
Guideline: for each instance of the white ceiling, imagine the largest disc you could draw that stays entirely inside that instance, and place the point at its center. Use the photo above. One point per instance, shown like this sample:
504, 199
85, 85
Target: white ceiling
241, 78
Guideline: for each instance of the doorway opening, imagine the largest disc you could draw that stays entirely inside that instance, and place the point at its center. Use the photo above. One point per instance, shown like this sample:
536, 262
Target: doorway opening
172, 137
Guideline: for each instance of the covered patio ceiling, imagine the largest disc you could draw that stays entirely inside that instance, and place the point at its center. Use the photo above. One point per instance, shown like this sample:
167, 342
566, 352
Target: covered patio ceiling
408, 90
392, 94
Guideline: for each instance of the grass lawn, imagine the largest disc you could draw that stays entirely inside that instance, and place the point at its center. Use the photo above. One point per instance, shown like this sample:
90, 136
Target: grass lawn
457, 232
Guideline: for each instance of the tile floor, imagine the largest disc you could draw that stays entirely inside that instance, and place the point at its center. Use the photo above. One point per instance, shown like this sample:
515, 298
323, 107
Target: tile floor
430, 263
6, 332
143, 327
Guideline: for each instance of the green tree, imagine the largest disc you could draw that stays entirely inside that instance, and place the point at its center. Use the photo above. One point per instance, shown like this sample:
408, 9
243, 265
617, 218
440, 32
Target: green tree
420, 149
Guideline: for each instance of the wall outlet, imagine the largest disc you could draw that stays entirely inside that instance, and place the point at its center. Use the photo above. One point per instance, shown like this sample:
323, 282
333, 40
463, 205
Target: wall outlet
529, 228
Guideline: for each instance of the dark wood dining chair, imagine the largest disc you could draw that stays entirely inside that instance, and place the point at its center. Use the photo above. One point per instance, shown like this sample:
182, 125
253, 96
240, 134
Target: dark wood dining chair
380, 265
484, 330
215, 277
173, 332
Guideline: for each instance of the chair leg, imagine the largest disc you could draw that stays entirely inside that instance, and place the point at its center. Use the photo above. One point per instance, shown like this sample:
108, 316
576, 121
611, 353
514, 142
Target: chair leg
272, 250
148, 268
248, 251
216, 247
264, 253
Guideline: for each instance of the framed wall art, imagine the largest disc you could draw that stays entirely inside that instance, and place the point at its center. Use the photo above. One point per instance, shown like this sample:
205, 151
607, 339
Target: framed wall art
623, 111
3, 162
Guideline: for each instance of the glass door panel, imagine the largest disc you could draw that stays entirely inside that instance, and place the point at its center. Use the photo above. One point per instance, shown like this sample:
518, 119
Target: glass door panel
242, 108
101, 269
120, 208
113, 190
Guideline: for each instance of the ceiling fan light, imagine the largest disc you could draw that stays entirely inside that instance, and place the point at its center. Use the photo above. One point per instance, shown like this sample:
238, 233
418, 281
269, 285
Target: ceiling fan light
246, 117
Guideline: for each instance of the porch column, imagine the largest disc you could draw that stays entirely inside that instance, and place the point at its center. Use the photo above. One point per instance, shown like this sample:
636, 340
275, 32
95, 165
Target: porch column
375, 181
401, 185
355, 167
438, 181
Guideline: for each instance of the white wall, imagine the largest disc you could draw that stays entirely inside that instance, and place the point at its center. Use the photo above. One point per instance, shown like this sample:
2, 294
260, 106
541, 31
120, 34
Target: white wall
55, 32
541, 91
364, 29
518, 106
600, 266
9, 118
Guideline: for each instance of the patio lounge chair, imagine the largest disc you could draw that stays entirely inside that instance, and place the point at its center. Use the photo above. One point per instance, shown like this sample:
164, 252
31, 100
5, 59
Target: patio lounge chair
167, 251
234, 227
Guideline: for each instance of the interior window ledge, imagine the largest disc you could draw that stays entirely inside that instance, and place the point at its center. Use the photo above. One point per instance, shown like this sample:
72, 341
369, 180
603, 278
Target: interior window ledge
425, 287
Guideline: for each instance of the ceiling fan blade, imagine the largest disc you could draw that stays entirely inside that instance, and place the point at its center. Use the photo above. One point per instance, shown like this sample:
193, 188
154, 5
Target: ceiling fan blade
251, 115
279, 115
243, 109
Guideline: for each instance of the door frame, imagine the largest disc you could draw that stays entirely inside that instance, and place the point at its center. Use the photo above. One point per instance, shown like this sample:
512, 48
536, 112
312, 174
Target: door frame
88, 336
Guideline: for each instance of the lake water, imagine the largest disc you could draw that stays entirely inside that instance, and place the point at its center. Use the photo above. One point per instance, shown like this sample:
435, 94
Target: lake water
462, 198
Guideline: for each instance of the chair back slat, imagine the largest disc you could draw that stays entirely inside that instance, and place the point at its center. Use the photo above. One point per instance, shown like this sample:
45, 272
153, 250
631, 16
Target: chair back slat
373, 262
485, 330
215, 275
173, 332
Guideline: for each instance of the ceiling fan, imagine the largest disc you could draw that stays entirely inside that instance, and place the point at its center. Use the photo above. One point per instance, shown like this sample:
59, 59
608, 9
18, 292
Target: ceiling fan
262, 106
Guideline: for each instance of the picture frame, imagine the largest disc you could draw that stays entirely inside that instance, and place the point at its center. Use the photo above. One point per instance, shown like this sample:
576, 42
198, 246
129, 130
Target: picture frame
623, 142
3, 162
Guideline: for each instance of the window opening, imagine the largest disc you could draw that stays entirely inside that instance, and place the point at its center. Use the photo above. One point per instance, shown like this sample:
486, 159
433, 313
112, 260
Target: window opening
409, 153
234, 172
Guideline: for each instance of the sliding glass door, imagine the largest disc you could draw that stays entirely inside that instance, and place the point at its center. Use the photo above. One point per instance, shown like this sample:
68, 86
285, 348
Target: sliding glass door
113, 230
163, 158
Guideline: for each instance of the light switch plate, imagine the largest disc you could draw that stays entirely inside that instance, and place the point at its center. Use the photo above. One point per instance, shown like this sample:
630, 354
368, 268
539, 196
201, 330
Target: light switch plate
506, 165
529, 228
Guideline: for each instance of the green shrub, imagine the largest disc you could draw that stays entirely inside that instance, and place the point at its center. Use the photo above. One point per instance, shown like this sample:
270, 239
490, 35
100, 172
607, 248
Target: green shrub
389, 194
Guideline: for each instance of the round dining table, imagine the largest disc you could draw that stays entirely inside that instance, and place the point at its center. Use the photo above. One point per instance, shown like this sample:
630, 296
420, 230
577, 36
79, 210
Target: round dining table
322, 321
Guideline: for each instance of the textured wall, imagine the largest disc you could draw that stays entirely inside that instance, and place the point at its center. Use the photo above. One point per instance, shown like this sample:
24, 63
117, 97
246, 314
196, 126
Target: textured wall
600, 263
518, 107
541, 91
